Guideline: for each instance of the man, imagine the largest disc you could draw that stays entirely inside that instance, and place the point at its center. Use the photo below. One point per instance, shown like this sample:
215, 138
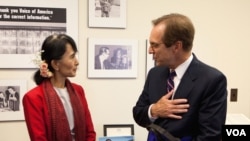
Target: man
196, 107
105, 8
101, 60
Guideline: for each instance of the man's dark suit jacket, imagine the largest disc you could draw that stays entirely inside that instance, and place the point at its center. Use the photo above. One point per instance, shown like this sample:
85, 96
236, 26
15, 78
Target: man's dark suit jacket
206, 90
106, 63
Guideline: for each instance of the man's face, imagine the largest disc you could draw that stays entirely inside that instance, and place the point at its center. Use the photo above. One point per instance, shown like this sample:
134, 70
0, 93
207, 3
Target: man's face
162, 55
106, 54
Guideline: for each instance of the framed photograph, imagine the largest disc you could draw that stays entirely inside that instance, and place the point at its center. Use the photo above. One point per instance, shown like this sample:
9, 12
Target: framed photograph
11, 95
117, 138
107, 13
112, 58
118, 130
25, 24
149, 58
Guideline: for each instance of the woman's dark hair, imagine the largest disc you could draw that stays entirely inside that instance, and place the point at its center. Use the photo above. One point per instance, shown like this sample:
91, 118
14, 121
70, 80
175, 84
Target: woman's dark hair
53, 48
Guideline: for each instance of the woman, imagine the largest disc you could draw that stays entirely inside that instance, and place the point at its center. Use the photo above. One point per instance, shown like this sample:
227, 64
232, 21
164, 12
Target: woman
116, 59
56, 109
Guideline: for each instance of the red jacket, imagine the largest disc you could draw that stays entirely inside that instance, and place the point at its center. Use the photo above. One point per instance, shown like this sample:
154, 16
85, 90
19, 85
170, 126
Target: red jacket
37, 115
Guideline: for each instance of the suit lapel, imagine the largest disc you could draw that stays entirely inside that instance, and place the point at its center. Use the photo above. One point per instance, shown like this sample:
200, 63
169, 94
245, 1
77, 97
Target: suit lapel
188, 79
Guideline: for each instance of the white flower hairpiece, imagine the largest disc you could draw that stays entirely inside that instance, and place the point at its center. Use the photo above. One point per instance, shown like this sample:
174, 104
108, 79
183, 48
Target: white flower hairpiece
44, 71
37, 60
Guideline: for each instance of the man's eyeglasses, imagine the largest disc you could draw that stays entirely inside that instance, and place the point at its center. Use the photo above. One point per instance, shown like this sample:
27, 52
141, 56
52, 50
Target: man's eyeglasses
155, 45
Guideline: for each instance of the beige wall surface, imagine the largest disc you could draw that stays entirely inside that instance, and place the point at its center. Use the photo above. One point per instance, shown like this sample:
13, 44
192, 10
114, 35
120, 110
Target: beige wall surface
221, 40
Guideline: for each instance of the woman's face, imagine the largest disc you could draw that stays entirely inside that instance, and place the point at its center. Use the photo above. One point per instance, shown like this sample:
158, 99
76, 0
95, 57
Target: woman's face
67, 65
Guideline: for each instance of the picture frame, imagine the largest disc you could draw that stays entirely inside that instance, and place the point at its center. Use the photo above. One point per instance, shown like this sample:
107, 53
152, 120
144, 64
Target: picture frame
11, 95
150, 63
23, 31
118, 130
120, 62
116, 138
116, 13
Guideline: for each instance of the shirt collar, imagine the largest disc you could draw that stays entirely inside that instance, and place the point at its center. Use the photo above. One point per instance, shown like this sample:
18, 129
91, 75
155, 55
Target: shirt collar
181, 69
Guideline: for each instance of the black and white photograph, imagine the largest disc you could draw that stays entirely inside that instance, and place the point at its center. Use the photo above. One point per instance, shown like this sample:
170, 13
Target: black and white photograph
107, 13
24, 27
107, 8
118, 129
9, 98
18, 38
112, 58
11, 94
116, 138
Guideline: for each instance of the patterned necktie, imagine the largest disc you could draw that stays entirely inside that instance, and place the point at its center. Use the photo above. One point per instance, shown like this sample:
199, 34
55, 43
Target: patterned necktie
170, 81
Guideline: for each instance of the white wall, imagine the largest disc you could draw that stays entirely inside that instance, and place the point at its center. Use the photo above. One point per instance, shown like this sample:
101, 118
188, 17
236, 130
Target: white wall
222, 40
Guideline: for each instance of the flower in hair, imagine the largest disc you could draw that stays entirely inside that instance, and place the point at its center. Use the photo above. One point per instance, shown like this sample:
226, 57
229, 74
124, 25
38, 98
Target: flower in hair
44, 71
37, 60
43, 66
